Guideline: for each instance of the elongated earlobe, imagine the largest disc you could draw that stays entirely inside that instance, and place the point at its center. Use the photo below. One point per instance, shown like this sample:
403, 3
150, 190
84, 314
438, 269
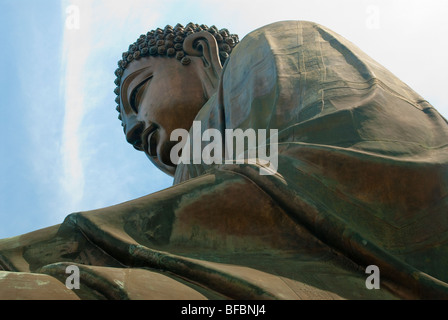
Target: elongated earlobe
203, 44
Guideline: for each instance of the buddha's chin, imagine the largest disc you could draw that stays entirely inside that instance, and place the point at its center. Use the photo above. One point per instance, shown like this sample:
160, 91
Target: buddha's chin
161, 159
166, 168
169, 170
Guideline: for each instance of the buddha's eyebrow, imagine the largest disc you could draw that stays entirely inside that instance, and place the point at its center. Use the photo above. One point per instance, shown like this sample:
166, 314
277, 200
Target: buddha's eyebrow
132, 78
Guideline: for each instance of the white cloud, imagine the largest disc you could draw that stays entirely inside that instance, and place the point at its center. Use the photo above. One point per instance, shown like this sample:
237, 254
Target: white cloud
76, 49
90, 176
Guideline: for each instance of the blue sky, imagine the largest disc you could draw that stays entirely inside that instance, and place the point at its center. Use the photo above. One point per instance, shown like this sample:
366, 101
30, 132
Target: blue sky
62, 148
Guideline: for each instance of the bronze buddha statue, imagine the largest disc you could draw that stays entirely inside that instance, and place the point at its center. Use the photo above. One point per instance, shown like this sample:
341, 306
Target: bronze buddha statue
361, 179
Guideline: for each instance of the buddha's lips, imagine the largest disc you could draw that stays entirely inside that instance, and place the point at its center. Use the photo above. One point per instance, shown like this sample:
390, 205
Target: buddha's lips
150, 137
148, 140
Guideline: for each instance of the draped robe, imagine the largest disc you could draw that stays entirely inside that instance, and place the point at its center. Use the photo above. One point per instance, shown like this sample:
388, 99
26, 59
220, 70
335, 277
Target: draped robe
361, 180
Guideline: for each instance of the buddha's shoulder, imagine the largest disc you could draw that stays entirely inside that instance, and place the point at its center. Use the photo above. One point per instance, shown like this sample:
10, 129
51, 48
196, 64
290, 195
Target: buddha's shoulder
286, 34
289, 25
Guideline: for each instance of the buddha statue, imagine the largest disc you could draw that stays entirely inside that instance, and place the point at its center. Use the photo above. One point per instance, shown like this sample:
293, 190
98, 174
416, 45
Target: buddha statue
358, 178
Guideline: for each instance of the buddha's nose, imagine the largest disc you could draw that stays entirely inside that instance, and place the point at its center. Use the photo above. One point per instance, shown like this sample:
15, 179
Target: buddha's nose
133, 131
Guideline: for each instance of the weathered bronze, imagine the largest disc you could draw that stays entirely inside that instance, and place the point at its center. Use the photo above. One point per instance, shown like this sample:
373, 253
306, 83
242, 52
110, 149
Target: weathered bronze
361, 180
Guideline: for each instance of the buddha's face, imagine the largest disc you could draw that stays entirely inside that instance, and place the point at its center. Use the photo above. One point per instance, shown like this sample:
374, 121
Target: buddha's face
159, 95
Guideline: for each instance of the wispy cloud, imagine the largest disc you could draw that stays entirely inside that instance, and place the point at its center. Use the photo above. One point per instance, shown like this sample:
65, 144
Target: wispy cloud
76, 48
89, 178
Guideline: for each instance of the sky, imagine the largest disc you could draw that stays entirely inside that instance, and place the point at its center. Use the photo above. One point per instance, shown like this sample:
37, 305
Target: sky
62, 148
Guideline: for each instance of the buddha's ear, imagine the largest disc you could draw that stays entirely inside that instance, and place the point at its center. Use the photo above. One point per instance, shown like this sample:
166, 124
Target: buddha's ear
203, 44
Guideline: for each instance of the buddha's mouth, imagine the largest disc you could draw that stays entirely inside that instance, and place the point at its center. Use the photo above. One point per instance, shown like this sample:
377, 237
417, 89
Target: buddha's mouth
149, 139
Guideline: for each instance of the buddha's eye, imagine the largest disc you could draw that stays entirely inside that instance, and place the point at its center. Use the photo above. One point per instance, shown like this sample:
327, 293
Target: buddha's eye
137, 93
